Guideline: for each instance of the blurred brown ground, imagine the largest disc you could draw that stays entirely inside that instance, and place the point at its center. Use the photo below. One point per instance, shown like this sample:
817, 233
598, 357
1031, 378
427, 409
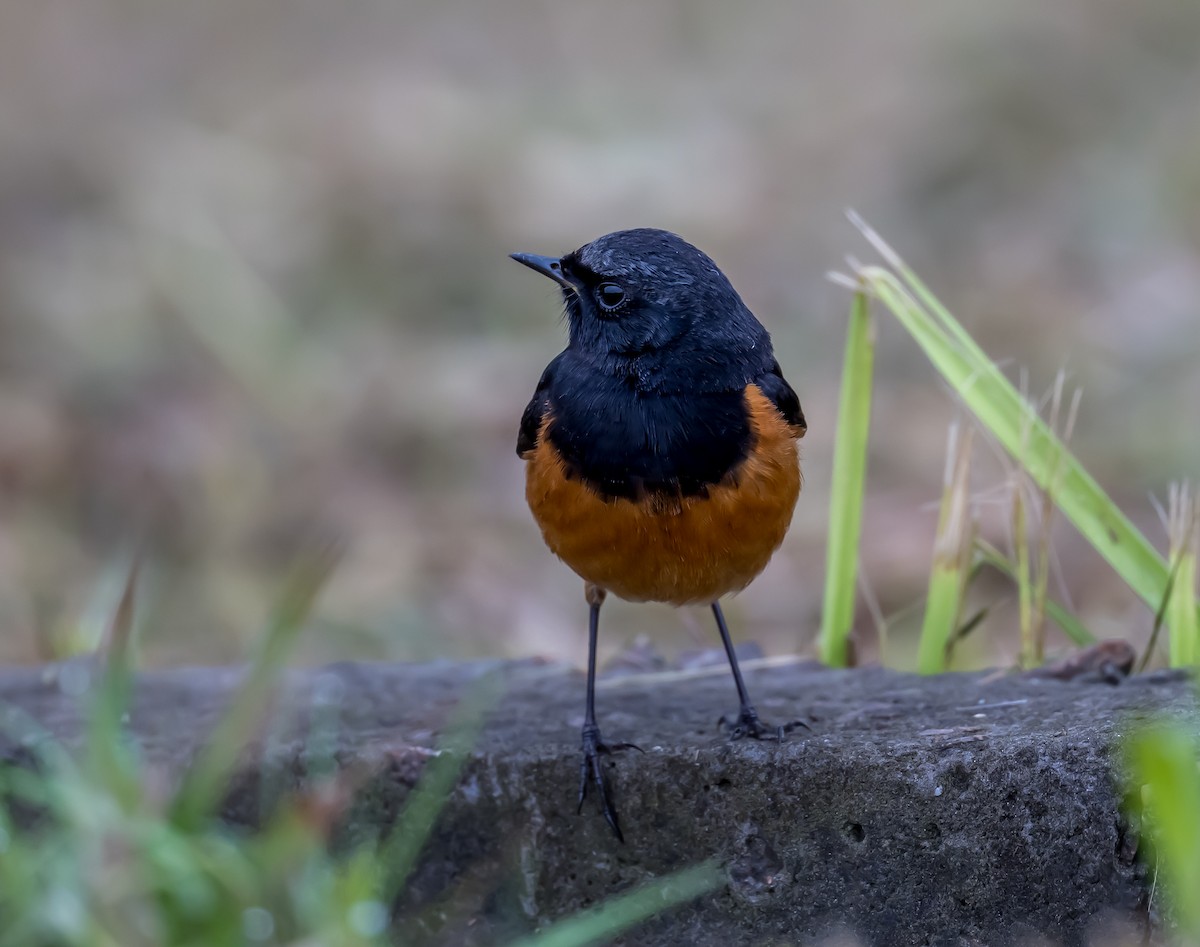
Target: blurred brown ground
254, 287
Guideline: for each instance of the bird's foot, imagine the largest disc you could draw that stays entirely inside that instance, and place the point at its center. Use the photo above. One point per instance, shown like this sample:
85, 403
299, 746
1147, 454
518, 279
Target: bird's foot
747, 726
590, 771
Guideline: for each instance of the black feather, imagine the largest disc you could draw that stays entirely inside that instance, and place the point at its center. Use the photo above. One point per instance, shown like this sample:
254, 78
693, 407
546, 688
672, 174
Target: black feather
630, 444
780, 393
535, 411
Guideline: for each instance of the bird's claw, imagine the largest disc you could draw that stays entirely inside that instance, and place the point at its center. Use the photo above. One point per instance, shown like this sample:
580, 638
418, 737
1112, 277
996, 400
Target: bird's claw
747, 726
590, 771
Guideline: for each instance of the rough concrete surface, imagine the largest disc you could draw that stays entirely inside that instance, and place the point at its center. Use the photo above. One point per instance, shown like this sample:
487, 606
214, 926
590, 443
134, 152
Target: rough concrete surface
960, 809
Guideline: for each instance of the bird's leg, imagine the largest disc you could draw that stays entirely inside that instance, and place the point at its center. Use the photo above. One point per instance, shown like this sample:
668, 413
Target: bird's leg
590, 770
747, 723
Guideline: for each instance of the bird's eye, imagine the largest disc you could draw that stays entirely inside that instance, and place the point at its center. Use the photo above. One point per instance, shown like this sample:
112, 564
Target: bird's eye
610, 296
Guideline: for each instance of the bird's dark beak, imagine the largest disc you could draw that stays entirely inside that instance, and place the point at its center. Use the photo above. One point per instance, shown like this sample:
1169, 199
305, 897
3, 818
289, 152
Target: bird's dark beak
547, 266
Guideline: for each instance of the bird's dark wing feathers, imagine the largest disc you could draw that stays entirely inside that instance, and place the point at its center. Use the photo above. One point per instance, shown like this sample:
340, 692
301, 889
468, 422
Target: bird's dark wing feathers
535, 411
773, 385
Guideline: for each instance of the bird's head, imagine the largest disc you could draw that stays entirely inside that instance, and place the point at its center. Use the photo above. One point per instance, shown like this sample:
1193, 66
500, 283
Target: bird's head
649, 297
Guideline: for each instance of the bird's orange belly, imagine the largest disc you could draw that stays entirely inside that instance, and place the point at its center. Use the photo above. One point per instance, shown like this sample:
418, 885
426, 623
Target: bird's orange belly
677, 550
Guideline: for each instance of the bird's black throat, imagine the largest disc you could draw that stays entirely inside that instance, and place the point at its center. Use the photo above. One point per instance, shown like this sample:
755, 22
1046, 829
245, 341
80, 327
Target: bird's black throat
629, 443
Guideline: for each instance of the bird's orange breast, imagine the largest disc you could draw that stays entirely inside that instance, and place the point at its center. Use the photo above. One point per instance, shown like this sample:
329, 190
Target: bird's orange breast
680, 550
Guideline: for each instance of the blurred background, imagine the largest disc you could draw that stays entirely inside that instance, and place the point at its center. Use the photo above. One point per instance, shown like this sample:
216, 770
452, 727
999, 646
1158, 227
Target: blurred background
254, 288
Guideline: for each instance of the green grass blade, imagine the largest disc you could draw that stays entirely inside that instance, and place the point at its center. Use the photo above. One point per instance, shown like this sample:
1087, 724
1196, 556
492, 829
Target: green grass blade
1030, 654
951, 560
1015, 424
1071, 626
202, 785
846, 491
399, 853
1167, 786
1182, 623
941, 616
111, 761
1179, 609
617, 915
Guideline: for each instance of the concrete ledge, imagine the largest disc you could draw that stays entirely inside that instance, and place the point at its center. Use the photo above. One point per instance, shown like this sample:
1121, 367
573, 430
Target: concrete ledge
951, 810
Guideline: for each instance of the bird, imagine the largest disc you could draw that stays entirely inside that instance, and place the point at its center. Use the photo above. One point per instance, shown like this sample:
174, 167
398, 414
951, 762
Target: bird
660, 446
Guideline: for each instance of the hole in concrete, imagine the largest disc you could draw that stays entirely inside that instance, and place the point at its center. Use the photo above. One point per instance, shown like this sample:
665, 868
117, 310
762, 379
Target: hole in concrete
757, 874
854, 831
1127, 843
958, 777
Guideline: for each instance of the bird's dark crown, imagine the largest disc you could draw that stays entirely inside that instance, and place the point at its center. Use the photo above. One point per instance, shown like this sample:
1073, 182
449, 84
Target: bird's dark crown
647, 305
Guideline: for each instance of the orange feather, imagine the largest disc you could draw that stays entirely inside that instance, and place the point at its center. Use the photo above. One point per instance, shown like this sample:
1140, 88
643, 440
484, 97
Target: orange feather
682, 551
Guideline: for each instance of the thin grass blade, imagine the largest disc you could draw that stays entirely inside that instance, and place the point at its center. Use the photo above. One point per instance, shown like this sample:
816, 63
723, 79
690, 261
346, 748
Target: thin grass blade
951, 555
110, 759
1071, 626
203, 784
619, 914
399, 853
1183, 628
847, 489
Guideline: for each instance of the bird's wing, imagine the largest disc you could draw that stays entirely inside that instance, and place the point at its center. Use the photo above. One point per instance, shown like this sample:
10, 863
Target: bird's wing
780, 394
535, 412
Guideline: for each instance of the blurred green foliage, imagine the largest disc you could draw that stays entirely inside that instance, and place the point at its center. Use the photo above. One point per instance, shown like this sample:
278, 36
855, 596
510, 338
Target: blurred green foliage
97, 848
1163, 794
